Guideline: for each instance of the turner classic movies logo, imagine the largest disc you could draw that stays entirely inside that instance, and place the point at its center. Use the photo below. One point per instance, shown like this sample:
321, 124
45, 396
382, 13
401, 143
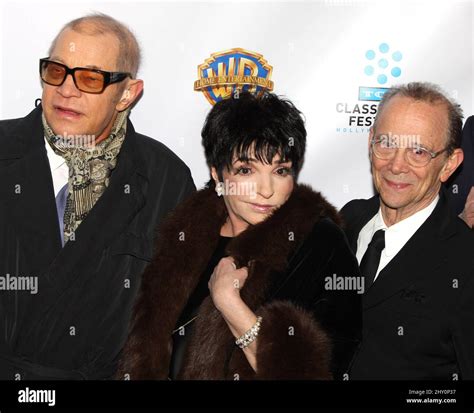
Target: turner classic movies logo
381, 65
233, 70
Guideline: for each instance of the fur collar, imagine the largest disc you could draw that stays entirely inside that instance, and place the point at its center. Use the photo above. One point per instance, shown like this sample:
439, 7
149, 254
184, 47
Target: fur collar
186, 241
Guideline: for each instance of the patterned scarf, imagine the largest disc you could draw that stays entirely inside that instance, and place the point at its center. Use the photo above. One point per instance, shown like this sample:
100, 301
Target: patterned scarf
90, 166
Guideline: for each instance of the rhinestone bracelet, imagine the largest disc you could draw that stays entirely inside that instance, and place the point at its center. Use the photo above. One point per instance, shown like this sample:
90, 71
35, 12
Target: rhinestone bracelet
250, 336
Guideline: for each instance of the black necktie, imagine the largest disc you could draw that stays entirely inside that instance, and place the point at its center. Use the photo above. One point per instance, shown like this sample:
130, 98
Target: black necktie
371, 259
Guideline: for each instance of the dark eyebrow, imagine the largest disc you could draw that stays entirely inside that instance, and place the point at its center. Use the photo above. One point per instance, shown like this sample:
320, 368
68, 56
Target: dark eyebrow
250, 160
253, 160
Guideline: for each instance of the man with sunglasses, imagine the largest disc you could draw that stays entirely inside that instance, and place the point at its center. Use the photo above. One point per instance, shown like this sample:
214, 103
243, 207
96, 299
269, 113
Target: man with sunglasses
415, 254
81, 196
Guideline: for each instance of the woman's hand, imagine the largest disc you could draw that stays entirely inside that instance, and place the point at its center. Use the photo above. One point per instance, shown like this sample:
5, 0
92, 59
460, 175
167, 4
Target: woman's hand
225, 283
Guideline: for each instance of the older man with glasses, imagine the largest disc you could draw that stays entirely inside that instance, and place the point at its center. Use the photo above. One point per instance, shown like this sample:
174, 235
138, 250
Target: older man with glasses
81, 195
415, 254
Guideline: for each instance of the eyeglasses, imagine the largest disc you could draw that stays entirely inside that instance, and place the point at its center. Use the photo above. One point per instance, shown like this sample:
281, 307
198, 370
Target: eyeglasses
86, 80
385, 148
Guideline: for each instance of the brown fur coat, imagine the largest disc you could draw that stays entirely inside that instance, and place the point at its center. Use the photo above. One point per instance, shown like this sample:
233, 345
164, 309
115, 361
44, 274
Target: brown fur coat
185, 244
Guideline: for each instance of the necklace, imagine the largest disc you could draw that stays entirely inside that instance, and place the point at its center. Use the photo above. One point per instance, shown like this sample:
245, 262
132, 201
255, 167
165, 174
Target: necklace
185, 324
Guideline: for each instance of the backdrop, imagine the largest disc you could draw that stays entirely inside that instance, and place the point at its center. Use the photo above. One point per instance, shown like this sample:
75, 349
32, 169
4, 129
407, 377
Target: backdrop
329, 57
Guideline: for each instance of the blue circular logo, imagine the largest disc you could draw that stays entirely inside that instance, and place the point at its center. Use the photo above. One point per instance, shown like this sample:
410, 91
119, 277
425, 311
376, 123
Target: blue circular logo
382, 79
384, 48
382, 64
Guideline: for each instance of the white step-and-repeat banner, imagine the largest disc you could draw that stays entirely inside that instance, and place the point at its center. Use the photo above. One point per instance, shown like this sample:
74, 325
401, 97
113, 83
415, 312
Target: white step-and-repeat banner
333, 59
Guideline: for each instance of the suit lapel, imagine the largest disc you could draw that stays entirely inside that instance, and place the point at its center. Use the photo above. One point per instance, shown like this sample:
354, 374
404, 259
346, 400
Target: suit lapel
415, 260
356, 224
29, 187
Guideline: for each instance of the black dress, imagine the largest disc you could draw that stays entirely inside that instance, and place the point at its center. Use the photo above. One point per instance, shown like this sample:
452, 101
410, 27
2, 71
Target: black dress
184, 328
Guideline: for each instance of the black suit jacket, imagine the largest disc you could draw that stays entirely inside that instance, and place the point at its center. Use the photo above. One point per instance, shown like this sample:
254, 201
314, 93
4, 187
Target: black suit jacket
418, 315
76, 324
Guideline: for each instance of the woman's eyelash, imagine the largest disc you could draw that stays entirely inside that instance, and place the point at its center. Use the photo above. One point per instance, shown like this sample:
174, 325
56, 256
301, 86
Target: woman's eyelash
248, 170
240, 169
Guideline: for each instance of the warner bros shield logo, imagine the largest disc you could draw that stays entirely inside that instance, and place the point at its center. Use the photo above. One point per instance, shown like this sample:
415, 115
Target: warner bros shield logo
233, 71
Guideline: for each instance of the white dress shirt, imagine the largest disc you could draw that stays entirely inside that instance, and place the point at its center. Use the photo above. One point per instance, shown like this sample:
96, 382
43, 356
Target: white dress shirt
59, 169
396, 236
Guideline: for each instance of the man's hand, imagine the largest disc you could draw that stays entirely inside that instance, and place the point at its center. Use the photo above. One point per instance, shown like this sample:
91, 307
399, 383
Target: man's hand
468, 214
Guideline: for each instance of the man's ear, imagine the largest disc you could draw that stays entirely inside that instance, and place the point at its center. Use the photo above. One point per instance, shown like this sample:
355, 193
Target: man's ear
371, 135
451, 164
133, 89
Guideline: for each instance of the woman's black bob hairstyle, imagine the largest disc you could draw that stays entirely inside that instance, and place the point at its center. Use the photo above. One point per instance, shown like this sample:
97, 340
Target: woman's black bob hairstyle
245, 126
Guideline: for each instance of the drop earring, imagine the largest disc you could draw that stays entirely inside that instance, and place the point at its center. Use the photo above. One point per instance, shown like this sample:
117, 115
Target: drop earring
220, 188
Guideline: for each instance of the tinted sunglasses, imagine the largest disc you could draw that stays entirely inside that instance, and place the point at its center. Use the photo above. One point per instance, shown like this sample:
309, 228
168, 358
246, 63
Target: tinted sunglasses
87, 80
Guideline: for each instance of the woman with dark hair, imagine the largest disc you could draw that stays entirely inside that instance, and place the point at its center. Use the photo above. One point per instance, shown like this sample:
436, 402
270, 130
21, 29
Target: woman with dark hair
241, 286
